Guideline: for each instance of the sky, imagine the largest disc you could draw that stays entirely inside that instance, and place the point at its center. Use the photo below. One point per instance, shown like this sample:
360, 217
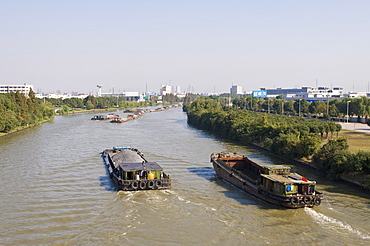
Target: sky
201, 46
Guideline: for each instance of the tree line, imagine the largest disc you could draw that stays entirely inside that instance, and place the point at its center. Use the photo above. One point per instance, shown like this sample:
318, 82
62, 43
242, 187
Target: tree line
331, 109
18, 110
291, 137
92, 102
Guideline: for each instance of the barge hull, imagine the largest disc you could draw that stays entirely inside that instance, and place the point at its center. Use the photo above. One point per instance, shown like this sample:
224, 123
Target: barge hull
253, 188
133, 161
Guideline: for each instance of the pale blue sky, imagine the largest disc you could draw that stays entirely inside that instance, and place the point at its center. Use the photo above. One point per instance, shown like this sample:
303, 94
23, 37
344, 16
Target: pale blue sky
205, 45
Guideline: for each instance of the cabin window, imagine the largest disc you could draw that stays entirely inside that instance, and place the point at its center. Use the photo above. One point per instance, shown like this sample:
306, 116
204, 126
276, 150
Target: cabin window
303, 189
130, 175
311, 189
271, 185
277, 187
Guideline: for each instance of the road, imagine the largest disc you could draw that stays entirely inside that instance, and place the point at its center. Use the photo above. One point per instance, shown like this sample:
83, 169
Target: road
352, 126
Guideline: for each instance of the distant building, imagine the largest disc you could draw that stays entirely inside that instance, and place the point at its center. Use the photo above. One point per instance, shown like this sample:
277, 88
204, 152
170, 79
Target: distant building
358, 94
61, 95
236, 89
177, 89
285, 92
165, 89
131, 96
24, 89
307, 93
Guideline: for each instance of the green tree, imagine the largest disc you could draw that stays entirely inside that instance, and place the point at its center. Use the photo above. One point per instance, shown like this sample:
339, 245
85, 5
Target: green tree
90, 102
318, 107
323, 157
8, 121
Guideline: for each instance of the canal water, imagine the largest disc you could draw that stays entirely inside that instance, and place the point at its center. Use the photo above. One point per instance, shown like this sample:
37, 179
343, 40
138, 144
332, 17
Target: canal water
55, 191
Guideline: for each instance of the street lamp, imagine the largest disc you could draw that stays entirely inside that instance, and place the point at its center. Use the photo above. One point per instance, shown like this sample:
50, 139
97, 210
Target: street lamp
347, 113
327, 108
299, 107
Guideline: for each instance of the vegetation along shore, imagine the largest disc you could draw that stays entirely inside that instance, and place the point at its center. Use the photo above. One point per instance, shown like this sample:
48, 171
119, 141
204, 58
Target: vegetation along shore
18, 111
318, 142
338, 154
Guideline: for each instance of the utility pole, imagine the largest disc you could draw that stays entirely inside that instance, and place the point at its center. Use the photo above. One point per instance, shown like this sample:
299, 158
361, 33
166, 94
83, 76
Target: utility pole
327, 108
347, 113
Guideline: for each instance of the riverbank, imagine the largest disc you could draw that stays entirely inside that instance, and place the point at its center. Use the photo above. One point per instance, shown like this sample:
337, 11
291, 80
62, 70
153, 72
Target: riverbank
18, 129
87, 111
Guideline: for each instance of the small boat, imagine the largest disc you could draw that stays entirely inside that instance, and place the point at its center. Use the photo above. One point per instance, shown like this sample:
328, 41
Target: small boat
119, 120
105, 117
98, 117
272, 183
130, 171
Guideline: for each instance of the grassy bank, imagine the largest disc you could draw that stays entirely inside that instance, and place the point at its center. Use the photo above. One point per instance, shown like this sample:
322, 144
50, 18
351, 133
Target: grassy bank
356, 140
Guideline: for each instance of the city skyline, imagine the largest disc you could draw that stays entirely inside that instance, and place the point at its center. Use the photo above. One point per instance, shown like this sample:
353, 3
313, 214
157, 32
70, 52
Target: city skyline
207, 46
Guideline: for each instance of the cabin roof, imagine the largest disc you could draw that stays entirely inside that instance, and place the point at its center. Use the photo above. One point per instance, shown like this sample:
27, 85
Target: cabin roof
140, 166
286, 179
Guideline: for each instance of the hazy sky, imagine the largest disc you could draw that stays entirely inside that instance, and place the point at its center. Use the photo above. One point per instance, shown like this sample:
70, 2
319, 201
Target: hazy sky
203, 45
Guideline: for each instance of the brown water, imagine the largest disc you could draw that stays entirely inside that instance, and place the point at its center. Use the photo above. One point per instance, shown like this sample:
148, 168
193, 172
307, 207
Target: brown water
55, 191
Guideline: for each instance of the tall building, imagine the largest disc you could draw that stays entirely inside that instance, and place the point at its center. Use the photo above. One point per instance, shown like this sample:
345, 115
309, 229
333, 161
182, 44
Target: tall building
165, 89
236, 89
177, 89
25, 89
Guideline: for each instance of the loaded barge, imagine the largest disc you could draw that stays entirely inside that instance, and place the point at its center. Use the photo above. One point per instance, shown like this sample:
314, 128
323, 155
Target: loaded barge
105, 117
272, 183
130, 171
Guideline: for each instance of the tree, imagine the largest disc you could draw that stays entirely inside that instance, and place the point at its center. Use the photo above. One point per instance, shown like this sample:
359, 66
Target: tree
318, 107
325, 154
8, 121
289, 107
90, 102
170, 98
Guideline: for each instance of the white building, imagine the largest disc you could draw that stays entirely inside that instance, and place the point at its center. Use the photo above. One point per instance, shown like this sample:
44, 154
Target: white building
165, 89
25, 89
308, 93
177, 89
236, 89
61, 95
358, 94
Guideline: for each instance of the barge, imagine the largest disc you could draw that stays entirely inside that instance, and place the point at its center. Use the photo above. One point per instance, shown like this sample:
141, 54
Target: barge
272, 183
130, 171
105, 117
119, 120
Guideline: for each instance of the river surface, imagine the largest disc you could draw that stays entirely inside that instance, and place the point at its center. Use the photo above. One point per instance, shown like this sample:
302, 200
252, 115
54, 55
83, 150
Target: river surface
55, 191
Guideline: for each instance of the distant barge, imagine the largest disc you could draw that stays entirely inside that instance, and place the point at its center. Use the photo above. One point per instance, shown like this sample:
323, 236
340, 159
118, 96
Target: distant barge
130, 171
272, 183
105, 117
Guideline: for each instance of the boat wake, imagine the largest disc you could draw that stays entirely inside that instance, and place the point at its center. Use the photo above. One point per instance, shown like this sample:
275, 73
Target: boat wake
334, 224
198, 204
